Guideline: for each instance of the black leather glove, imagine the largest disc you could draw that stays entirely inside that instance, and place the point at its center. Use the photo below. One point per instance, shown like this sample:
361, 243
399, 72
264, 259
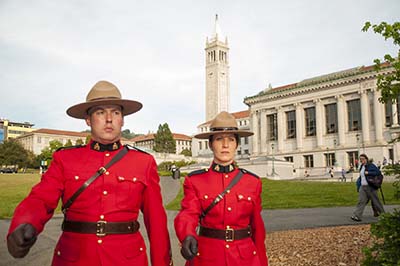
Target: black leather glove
21, 240
189, 248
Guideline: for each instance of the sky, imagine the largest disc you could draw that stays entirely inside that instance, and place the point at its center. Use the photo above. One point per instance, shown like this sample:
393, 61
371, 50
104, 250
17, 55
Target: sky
52, 53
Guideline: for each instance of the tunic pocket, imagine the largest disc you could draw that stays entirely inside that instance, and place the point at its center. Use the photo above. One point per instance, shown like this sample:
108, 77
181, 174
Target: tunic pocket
129, 191
245, 203
135, 249
248, 253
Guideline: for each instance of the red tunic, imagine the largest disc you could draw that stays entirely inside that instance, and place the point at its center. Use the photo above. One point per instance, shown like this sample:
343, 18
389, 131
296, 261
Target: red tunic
239, 208
130, 185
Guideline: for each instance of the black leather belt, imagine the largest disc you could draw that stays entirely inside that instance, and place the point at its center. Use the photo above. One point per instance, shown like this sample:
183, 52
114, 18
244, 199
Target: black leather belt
228, 234
100, 228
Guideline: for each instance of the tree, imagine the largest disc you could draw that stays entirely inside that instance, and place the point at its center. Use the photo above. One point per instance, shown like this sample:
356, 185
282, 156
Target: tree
186, 152
128, 134
163, 140
13, 153
79, 142
68, 143
47, 153
389, 84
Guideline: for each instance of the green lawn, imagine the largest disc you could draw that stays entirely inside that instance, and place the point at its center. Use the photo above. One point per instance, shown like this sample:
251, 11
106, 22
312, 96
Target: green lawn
276, 194
306, 194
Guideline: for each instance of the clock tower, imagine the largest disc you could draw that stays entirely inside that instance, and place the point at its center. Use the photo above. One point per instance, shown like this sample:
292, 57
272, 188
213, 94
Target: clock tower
217, 73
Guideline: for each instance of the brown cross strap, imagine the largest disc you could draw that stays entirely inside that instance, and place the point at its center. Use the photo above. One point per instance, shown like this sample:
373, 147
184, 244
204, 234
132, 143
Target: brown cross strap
99, 172
100, 228
228, 234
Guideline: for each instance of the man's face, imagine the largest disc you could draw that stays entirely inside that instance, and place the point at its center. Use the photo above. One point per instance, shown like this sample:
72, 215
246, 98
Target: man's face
363, 160
224, 147
105, 123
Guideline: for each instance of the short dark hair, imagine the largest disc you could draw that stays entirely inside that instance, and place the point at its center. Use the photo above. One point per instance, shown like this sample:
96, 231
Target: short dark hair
364, 155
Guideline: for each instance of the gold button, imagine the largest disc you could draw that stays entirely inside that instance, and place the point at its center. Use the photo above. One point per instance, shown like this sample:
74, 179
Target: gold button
206, 196
227, 246
240, 196
226, 176
121, 178
105, 192
134, 179
76, 177
198, 254
107, 173
102, 217
141, 249
58, 253
99, 241
254, 252
228, 191
248, 198
107, 154
229, 208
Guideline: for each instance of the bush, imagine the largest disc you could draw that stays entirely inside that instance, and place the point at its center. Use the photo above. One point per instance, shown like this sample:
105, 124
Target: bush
385, 250
394, 170
166, 166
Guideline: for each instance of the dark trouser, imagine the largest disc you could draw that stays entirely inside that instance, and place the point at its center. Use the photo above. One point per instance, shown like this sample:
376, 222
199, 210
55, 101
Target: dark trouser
365, 194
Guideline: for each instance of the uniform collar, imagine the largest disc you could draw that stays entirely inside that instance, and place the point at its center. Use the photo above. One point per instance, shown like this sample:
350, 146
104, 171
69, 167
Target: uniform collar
223, 169
97, 146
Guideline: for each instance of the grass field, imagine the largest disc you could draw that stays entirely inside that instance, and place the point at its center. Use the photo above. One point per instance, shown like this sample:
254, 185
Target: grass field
276, 194
306, 194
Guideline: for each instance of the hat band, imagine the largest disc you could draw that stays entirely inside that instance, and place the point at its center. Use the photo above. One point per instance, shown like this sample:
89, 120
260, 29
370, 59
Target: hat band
223, 128
103, 98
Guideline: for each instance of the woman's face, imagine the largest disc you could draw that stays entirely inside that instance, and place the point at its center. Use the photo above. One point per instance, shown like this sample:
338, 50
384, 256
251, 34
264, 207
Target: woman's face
224, 147
363, 160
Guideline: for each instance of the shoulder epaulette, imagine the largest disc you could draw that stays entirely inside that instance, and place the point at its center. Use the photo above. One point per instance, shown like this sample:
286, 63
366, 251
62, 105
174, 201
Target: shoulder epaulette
70, 147
197, 172
130, 147
244, 171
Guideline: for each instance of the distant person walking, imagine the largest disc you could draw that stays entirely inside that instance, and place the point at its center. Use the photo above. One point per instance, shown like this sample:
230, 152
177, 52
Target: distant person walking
365, 191
343, 175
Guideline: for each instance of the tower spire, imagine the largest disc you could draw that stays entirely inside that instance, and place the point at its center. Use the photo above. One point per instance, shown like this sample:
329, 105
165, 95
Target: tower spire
217, 29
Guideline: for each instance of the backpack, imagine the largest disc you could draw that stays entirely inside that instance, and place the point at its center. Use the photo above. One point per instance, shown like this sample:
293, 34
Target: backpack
375, 181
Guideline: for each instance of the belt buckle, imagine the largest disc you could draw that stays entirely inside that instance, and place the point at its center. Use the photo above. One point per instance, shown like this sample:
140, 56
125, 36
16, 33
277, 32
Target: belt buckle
229, 235
101, 228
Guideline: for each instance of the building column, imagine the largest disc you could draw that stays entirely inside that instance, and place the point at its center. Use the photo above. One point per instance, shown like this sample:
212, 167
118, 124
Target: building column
299, 125
319, 122
263, 132
378, 117
281, 128
365, 116
340, 108
255, 142
394, 115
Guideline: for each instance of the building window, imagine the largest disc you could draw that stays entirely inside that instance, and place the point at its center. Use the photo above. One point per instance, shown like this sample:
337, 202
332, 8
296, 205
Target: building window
239, 152
246, 140
308, 161
272, 127
200, 145
331, 118
246, 151
354, 115
289, 159
39, 139
330, 159
310, 121
388, 114
291, 124
353, 159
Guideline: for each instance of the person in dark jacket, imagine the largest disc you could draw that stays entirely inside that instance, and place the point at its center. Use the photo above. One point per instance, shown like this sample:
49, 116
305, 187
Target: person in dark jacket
365, 191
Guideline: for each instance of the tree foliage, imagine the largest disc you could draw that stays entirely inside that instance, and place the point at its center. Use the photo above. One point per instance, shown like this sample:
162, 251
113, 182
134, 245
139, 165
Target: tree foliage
389, 84
13, 153
163, 140
47, 153
186, 152
126, 133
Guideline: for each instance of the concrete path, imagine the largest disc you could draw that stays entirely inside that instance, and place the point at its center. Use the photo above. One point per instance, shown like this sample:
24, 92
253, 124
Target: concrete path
275, 220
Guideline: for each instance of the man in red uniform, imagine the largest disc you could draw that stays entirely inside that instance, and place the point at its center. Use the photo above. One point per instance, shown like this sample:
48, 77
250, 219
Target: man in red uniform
231, 232
100, 226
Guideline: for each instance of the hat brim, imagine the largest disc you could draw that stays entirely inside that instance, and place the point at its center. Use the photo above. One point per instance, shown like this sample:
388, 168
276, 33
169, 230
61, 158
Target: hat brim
241, 133
80, 110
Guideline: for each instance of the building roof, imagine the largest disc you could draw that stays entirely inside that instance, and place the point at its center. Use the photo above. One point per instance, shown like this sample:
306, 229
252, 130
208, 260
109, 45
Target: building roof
152, 135
318, 81
59, 132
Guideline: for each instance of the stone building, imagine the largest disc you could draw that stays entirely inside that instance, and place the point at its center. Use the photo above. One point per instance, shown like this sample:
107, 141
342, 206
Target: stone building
325, 121
146, 142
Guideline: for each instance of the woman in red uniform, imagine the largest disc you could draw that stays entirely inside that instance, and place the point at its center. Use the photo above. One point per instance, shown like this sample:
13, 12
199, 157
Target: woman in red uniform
231, 232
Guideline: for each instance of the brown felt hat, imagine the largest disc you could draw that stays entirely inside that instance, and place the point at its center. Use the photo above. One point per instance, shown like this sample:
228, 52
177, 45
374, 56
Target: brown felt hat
103, 93
224, 122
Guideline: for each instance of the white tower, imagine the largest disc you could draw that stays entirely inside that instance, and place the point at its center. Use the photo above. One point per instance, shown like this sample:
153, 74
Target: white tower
217, 73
